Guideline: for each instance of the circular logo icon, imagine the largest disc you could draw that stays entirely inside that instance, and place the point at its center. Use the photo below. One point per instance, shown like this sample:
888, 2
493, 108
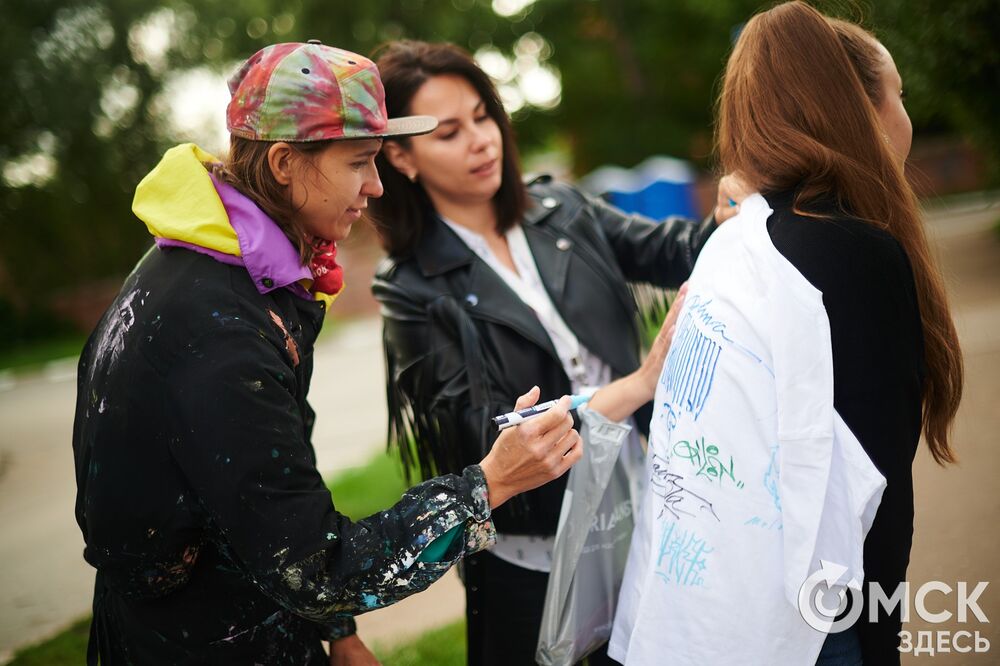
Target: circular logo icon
822, 600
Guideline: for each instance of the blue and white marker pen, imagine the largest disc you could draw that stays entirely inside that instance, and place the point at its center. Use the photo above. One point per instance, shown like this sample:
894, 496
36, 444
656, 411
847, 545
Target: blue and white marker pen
511, 419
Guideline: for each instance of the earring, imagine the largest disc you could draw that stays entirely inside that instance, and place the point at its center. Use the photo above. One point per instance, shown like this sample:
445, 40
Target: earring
412, 177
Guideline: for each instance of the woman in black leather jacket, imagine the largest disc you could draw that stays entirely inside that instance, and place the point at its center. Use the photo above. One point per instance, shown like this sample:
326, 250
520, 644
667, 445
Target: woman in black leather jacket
470, 247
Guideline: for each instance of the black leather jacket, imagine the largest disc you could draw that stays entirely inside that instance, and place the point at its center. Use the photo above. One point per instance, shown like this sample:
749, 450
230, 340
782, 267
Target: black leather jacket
460, 345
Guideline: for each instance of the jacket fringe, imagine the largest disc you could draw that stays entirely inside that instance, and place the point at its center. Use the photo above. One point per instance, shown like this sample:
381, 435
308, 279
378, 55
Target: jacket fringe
429, 446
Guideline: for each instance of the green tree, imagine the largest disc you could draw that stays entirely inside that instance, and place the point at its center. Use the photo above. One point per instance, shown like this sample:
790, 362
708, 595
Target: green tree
947, 54
84, 117
640, 76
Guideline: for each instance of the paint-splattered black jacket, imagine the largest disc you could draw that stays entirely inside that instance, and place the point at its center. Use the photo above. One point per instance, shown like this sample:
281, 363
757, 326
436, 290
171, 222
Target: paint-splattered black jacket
460, 345
214, 537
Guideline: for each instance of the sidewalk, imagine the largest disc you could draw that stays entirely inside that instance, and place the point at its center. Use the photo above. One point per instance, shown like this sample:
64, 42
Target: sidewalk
955, 527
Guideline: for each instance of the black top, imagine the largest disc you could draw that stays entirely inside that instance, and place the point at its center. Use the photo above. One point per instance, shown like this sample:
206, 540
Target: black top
878, 370
214, 537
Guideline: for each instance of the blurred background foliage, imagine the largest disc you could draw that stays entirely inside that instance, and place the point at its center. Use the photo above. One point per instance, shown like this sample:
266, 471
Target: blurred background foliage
98, 89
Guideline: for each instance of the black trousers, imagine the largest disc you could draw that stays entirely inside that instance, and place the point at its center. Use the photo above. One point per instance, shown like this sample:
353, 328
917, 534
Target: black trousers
503, 613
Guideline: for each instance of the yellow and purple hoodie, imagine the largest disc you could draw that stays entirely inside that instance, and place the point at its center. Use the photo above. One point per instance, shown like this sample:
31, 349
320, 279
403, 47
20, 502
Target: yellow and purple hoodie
185, 205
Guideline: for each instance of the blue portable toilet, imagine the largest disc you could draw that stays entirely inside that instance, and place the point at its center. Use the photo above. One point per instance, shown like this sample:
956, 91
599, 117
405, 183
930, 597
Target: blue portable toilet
658, 187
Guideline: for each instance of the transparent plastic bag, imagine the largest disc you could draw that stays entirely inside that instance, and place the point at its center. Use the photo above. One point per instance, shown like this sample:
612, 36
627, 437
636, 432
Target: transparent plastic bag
591, 544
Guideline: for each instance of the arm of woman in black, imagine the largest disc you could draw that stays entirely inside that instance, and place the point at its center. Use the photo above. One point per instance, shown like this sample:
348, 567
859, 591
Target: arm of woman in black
661, 253
657, 252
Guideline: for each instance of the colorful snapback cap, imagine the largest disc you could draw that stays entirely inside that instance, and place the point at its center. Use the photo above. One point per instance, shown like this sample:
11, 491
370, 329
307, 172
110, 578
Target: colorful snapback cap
313, 92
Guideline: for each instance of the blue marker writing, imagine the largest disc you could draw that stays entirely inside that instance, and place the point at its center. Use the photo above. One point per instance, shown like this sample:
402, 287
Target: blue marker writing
511, 419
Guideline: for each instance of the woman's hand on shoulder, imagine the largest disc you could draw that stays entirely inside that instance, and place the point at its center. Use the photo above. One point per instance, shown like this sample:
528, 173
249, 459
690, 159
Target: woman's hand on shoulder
532, 454
732, 191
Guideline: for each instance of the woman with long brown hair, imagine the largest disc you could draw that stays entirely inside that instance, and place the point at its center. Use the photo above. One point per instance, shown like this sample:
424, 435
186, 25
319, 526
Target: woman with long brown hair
832, 351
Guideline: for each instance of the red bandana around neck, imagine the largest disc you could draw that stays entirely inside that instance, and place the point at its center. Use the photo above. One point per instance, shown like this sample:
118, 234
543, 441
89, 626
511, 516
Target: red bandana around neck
328, 275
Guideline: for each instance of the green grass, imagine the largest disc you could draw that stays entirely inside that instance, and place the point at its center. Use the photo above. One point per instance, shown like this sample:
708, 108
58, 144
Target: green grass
442, 647
362, 491
32, 356
66, 648
653, 306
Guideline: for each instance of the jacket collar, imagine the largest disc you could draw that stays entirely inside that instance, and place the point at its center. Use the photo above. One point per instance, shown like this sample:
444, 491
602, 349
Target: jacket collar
441, 250
553, 251
539, 207
486, 295
270, 258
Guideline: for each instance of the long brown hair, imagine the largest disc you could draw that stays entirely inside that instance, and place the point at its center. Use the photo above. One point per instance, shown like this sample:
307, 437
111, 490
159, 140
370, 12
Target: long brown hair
798, 112
247, 169
402, 212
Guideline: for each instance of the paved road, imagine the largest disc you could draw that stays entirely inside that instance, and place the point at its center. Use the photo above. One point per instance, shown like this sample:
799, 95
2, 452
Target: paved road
956, 534
44, 583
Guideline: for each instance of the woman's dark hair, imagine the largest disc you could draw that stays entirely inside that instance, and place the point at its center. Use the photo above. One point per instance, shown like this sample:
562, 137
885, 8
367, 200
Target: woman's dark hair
247, 170
402, 213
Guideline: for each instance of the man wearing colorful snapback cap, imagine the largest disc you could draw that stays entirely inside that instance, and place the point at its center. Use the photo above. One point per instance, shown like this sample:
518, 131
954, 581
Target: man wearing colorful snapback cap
214, 537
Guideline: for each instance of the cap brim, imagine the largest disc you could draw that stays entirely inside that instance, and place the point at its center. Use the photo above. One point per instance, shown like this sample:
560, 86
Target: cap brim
409, 126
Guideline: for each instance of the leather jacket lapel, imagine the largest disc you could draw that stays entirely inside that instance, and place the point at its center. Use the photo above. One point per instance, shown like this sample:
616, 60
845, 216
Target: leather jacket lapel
440, 250
490, 298
479, 290
484, 295
552, 253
